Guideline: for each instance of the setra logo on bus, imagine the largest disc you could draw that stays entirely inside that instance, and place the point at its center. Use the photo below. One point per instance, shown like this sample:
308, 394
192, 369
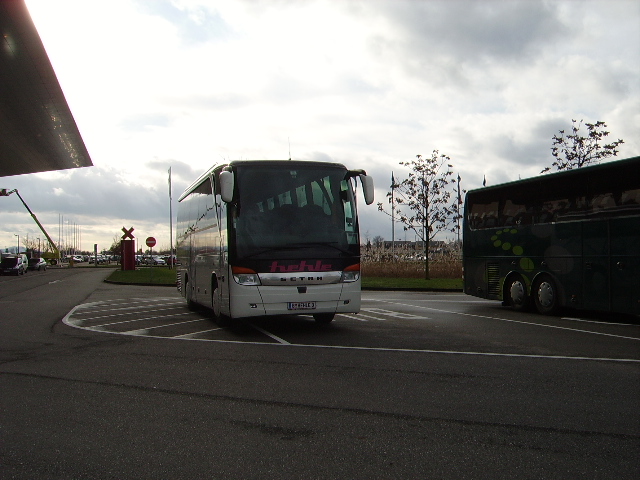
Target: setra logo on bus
303, 266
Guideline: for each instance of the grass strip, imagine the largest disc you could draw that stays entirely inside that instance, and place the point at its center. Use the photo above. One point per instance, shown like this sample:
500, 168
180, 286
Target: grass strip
166, 276
395, 283
144, 276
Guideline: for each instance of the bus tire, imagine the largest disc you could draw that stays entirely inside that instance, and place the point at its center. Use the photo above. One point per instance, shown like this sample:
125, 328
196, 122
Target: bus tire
516, 293
546, 295
323, 318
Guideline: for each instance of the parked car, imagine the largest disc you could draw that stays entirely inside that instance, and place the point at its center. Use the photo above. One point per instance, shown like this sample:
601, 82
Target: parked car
14, 265
170, 259
153, 260
37, 264
100, 258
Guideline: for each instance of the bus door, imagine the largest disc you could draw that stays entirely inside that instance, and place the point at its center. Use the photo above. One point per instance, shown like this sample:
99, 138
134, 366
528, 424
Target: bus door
220, 297
595, 265
218, 275
625, 263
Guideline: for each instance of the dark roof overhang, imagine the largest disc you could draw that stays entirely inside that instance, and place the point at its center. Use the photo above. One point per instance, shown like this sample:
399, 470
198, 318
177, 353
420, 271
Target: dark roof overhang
37, 130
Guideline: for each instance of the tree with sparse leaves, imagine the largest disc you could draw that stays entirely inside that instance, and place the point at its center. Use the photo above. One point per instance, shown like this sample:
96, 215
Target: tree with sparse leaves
115, 245
427, 201
575, 151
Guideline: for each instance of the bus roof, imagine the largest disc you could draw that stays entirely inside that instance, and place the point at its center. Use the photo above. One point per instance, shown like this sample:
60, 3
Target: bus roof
629, 166
262, 163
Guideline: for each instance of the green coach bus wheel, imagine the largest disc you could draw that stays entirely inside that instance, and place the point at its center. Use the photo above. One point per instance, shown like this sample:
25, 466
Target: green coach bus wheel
546, 296
516, 293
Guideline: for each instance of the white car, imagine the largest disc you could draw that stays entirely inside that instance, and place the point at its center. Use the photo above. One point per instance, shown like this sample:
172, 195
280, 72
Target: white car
156, 260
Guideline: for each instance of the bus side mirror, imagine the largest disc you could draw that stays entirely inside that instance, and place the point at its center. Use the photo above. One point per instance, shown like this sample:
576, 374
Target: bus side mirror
226, 186
367, 188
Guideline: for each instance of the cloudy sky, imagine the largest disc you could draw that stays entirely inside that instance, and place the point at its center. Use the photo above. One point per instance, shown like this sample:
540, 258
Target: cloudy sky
154, 84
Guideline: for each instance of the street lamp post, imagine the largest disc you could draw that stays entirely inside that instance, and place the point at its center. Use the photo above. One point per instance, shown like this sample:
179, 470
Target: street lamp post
18, 250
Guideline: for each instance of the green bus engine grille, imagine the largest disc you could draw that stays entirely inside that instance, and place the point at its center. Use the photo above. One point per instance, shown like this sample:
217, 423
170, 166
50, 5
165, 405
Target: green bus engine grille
493, 279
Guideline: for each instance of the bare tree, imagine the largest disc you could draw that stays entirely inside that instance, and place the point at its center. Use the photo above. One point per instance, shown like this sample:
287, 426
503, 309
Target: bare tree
115, 244
30, 244
426, 201
575, 151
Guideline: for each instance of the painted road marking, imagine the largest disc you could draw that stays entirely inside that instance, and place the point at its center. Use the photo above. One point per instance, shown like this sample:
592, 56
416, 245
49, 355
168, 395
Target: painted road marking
513, 321
68, 320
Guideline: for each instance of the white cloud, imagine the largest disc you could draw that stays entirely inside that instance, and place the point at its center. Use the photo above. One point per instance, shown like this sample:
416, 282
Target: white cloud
366, 83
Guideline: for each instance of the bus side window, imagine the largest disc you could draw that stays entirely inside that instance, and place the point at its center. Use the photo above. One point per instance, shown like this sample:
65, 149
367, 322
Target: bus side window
554, 210
601, 203
630, 199
483, 215
512, 214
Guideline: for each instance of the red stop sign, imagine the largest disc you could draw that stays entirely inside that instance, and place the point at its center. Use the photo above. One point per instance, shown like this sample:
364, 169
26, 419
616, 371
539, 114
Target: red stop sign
151, 242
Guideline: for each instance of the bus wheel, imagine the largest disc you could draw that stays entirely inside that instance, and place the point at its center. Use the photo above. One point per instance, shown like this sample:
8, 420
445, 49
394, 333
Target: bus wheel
324, 318
517, 293
545, 295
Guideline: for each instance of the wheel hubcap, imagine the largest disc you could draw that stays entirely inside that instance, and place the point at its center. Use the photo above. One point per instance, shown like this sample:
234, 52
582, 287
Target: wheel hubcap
545, 294
517, 292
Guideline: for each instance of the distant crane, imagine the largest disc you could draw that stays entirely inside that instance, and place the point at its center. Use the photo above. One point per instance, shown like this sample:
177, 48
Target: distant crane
55, 253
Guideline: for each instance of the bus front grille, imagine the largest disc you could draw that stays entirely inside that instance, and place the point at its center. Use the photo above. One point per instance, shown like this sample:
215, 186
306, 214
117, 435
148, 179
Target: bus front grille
493, 279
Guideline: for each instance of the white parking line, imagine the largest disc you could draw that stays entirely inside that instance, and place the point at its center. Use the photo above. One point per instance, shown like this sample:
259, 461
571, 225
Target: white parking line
269, 334
100, 326
594, 321
453, 352
512, 321
148, 329
138, 307
360, 317
67, 320
195, 334
394, 314
84, 319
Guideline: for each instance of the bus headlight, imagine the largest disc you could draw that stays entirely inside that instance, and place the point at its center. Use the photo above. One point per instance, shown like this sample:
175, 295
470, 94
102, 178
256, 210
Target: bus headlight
351, 273
245, 276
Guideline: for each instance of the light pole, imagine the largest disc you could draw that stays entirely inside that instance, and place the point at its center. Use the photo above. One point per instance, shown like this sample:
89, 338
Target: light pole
38, 247
18, 250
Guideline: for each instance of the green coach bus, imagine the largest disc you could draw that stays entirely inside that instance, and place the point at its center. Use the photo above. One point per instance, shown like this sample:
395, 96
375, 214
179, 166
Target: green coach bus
568, 239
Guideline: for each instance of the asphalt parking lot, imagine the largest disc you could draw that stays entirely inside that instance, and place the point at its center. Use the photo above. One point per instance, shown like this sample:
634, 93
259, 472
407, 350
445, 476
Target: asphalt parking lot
109, 381
389, 320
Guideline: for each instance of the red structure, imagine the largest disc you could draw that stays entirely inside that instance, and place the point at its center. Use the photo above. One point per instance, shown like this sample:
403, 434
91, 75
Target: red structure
127, 250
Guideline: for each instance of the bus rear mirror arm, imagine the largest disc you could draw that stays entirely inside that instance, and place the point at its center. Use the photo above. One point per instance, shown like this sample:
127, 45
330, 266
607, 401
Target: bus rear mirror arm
227, 185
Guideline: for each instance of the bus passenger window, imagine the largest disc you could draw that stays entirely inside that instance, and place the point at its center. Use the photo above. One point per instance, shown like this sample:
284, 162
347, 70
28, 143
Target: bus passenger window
512, 214
484, 215
553, 210
602, 202
630, 199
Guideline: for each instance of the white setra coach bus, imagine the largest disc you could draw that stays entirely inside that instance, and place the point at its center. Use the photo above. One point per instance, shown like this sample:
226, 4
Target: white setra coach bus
270, 237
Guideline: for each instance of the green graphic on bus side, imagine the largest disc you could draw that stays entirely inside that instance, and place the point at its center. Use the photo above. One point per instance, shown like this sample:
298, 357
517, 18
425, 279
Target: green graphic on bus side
500, 240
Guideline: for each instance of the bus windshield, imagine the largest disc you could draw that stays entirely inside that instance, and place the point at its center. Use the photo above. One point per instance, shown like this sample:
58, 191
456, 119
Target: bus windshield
292, 209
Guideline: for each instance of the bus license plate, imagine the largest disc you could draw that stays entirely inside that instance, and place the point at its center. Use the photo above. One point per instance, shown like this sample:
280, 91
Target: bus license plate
301, 305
